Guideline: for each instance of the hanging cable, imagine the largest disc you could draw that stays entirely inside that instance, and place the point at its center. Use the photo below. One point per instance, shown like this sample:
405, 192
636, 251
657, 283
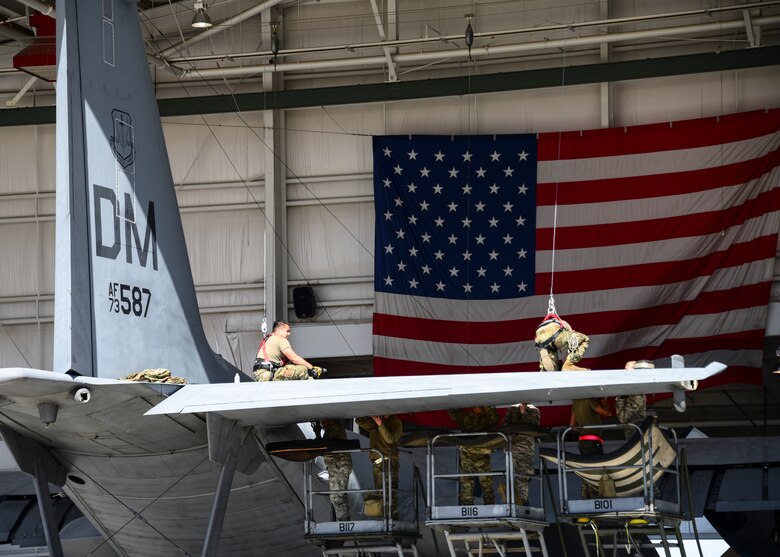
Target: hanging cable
291, 173
592, 524
551, 301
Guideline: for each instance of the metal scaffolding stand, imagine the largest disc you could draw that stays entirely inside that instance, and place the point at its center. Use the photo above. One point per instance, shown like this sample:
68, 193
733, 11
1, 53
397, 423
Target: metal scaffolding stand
483, 529
620, 520
367, 534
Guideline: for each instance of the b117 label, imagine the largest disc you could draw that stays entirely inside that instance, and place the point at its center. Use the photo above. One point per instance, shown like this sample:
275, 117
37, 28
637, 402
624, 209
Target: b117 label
128, 299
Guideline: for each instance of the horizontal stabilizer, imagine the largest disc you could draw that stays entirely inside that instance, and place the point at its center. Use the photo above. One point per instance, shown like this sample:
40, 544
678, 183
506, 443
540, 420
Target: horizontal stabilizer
284, 402
36, 383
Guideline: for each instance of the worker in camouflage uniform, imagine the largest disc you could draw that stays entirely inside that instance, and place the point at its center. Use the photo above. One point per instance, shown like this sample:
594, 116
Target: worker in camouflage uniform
475, 460
339, 467
277, 361
554, 335
632, 409
384, 433
522, 448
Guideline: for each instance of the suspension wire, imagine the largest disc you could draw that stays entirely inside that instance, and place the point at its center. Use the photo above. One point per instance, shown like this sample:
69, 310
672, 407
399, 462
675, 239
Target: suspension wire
258, 204
292, 173
18, 348
469, 101
264, 324
551, 301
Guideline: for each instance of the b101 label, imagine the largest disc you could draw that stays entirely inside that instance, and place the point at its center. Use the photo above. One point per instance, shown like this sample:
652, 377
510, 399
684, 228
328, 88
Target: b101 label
128, 299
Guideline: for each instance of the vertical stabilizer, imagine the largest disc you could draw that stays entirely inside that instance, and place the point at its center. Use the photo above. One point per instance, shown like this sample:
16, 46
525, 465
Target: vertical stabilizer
125, 299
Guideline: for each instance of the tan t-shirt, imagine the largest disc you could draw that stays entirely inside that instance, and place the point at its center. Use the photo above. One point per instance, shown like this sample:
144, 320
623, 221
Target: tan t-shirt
274, 346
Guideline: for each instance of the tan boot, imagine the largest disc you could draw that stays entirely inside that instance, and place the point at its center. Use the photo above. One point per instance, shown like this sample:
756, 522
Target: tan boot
568, 366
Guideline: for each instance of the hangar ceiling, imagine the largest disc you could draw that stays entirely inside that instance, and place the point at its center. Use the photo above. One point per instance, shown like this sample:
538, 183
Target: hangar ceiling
307, 51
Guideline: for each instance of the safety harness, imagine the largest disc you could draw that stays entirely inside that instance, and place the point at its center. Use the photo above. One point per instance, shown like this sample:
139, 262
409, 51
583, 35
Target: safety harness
265, 363
546, 344
550, 318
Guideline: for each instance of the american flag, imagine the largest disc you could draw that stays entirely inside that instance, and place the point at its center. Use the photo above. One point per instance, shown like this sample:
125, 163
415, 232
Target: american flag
655, 240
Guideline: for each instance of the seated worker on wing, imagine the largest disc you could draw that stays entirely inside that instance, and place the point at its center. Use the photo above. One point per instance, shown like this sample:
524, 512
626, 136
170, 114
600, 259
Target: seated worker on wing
475, 460
589, 411
384, 433
277, 361
553, 335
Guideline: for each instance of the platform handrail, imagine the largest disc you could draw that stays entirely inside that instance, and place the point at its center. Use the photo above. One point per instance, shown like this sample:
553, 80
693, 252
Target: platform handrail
501, 441
647, 465
385, 490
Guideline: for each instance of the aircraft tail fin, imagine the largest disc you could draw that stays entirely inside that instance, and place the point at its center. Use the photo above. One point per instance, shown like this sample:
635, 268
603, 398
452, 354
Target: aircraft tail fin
125, 298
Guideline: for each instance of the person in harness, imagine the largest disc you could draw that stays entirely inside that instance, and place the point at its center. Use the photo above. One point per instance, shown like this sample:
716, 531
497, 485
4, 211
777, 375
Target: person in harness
553, 335
277, 361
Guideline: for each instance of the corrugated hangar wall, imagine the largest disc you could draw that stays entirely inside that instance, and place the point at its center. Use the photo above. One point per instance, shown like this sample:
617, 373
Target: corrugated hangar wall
218, 163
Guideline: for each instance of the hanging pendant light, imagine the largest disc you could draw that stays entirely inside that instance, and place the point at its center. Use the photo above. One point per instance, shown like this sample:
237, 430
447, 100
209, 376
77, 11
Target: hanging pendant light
201, 20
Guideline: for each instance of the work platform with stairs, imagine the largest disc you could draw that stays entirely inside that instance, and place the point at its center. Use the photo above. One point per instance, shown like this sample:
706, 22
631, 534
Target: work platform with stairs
628, 506
483, 529
641, 487
373, 530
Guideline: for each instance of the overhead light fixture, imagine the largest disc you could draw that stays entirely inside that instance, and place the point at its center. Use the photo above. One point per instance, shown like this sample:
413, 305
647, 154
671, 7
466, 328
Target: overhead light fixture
201, 20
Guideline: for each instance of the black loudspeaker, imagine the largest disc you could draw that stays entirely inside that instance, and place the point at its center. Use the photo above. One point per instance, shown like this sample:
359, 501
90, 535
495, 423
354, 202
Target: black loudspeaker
303, 302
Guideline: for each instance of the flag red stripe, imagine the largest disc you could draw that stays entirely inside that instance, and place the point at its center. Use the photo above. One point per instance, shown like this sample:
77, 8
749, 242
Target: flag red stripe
688, 134
655, 185
594, 323
707, 303
665, 272
390, 366
742, 340
654, 230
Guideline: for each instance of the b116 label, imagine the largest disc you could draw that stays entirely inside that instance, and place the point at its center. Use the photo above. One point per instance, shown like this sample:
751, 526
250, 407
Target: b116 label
128, 299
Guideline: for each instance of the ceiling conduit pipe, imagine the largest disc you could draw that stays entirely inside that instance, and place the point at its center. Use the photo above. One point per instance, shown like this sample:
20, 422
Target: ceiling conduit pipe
492, 34
236, 19
43, 7
479, 51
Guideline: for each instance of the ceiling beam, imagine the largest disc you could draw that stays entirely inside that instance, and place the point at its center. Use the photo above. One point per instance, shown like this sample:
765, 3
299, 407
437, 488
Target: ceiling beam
442, 87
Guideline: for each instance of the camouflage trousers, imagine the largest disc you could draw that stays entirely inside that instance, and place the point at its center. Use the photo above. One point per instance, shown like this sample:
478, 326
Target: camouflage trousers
522, 466
290, 372
377, 471
631, 409
339, 468
474, 462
